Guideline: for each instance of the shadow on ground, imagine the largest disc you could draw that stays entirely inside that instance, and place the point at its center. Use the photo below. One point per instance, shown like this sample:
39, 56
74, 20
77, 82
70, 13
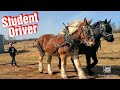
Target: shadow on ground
111, 58
23, 51
4, 64
29, 64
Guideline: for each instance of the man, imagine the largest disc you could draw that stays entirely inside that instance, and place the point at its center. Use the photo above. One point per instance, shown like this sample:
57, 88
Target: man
13, 53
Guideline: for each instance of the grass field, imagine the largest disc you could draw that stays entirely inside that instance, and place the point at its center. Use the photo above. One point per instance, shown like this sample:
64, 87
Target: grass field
27, 59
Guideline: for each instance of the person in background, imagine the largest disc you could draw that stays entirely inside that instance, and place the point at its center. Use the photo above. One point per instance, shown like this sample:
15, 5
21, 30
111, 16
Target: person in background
13, 53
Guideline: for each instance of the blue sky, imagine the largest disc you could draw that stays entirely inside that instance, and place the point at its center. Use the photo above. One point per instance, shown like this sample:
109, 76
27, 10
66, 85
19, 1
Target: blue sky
51, 21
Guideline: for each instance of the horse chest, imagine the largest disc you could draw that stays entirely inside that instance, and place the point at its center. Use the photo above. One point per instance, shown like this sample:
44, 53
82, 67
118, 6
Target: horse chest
68, 51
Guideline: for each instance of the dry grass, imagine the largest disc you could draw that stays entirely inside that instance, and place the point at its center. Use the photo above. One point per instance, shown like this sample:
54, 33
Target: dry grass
27, 59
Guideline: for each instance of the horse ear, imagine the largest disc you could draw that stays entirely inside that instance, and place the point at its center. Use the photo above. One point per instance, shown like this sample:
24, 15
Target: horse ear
109, 21
85, 21
105, 20
89, 21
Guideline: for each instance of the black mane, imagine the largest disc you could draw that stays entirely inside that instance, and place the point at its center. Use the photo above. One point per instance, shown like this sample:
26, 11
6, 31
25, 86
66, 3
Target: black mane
96, 24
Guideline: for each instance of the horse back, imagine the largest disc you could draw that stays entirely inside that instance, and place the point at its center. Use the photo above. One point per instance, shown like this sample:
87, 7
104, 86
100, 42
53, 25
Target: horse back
53, 43
49, 42
44, 39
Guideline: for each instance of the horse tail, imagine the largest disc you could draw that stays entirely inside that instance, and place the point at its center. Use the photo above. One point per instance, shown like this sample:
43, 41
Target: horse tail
40, 47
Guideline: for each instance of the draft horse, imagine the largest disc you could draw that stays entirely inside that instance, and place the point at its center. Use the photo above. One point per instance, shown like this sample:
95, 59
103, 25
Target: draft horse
101, 29
49, 42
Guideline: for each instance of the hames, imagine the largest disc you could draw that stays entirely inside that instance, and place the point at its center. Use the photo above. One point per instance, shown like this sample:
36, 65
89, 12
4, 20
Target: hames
23, 30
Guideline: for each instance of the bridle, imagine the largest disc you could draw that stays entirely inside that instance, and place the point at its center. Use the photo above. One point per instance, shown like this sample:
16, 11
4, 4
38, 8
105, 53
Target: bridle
86, 36
103, 31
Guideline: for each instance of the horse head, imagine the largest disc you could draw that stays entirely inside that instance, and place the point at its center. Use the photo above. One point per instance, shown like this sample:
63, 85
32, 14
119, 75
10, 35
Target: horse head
85, 33
104, 29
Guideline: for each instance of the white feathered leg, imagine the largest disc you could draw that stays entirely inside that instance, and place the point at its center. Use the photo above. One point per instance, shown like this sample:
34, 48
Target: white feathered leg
49, 65
41, 64
63, 66
81, 73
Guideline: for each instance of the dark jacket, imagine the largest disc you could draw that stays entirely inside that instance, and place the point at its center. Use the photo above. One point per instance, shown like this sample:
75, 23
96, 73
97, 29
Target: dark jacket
12, 51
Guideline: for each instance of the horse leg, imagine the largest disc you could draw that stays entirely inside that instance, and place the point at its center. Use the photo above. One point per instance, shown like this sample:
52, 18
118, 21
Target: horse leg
94, 57
59, 64
41, 62
63, 66
73, 64
88, 61
88, 67
81, 73
49, 65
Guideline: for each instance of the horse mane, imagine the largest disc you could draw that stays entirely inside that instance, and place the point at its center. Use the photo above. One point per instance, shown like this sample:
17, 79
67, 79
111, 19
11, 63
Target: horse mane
72, 26
96, 24
73, 22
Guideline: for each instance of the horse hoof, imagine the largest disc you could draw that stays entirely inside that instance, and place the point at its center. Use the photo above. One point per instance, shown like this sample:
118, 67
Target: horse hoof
41, 72
82, 77
50, 73
64, 77
91, 73
59, 67
76, 72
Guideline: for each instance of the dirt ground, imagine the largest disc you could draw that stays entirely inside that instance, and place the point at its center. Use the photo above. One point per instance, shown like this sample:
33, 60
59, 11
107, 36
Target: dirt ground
27, 60
30, 71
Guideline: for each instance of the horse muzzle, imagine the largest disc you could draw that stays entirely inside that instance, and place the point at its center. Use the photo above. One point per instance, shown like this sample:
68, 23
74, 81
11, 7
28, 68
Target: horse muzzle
110, 38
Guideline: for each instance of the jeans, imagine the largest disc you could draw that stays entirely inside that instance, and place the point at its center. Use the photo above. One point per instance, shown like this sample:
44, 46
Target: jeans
13, 60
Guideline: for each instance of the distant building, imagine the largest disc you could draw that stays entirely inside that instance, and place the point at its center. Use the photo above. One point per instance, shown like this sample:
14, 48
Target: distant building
1, 44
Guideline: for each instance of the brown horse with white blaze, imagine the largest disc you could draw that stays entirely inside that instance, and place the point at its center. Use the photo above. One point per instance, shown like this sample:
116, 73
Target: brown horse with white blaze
49, 43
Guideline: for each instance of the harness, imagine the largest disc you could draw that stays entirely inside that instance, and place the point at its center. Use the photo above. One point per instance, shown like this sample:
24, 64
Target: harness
67, 37
68, 40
